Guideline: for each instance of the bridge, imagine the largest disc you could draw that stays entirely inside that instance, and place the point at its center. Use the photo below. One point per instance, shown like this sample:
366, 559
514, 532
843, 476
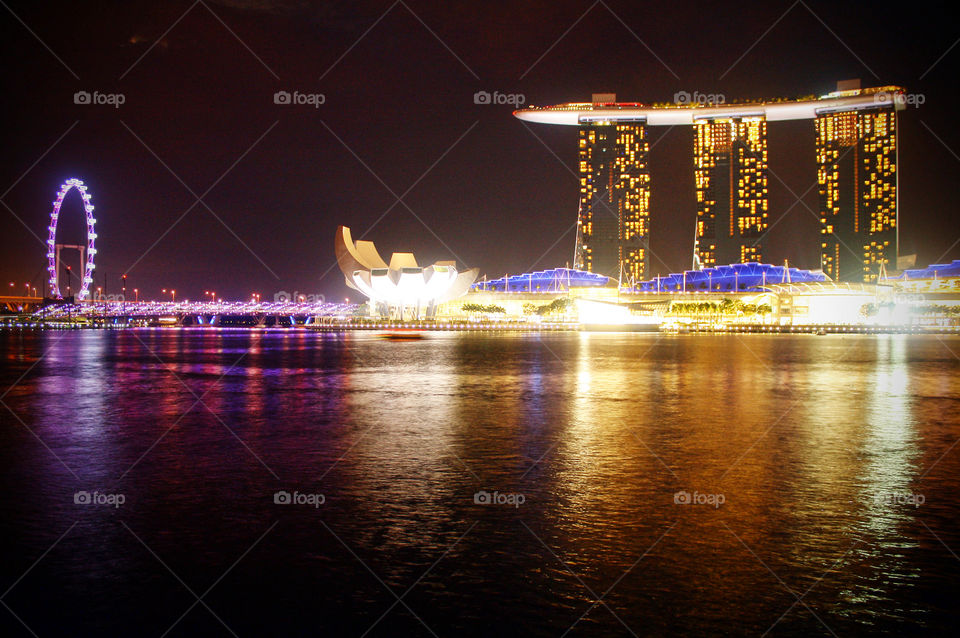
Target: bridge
186, 313
19, 303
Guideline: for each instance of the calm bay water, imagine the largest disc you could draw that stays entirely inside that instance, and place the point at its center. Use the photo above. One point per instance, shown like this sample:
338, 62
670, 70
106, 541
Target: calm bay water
818, 468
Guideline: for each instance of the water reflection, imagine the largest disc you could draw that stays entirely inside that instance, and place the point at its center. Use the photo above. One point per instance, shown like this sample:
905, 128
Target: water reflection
598, 431
890, 445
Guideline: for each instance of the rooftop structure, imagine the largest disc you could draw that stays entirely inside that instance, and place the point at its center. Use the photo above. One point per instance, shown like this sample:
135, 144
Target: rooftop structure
932, 271
732, 278
672, 114
553, 280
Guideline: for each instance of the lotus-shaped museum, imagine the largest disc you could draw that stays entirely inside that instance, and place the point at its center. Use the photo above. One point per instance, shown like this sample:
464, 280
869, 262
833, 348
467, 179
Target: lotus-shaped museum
402, 288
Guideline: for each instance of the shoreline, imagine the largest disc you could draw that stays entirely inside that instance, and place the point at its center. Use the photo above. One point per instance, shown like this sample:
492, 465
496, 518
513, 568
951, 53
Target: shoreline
509, 327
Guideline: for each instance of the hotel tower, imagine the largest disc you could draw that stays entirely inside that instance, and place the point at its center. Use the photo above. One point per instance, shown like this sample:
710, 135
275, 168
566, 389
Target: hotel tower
614, 221
730, 177
857, 176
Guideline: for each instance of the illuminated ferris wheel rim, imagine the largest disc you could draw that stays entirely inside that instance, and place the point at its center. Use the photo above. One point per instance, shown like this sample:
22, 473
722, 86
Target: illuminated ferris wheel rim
52, 239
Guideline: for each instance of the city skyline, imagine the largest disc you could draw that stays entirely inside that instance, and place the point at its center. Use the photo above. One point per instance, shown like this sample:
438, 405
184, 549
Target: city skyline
283, 174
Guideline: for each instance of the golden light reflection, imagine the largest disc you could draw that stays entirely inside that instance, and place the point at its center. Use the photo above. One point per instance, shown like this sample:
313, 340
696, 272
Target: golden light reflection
891, 446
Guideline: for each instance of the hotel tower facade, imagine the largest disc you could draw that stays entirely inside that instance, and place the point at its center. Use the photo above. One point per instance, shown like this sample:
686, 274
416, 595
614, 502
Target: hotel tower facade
857, 177
730, 177
614, 220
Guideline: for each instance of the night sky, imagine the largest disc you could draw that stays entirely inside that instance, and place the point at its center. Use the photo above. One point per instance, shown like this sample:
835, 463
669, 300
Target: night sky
399, 120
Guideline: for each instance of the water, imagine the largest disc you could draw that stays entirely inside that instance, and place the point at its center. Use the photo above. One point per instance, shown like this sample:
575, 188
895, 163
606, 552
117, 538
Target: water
833, 458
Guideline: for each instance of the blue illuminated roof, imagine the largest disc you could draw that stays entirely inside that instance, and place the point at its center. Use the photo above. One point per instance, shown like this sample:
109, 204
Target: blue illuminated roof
743, 277
749, 276
553, 280
939, 270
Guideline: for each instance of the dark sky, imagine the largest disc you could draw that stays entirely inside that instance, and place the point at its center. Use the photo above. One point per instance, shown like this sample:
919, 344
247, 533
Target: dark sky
399, 115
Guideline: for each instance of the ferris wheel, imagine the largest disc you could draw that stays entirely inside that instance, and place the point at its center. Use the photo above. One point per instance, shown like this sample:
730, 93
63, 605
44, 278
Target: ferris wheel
53, 252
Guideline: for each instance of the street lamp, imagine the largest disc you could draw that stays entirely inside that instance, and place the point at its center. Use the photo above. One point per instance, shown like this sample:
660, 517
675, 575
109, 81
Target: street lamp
136, 294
